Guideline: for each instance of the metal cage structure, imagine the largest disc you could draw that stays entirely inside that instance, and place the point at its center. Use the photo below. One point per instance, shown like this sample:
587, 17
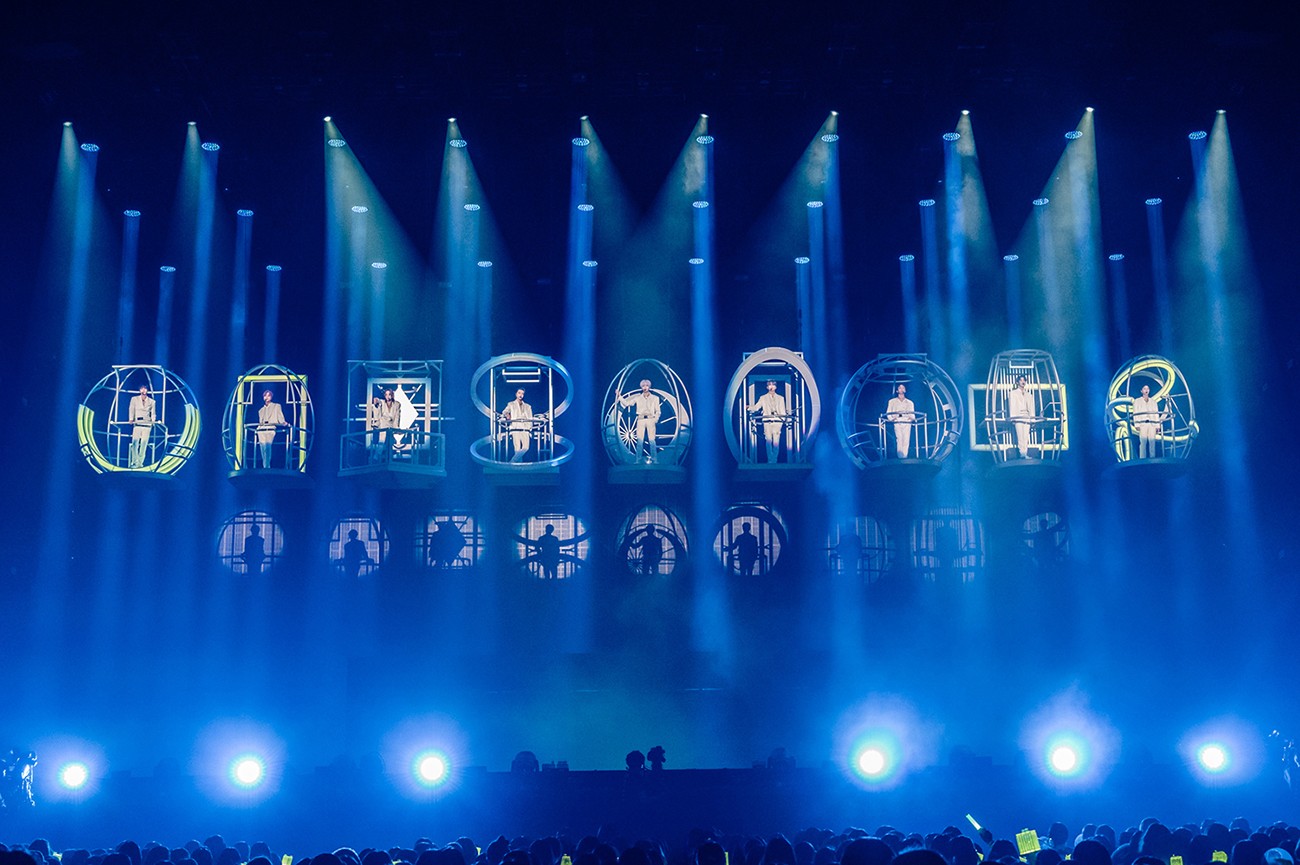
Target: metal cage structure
631, 437
777, 426
1020, 414
522, 441
263, 444
124, 432
868, 421
1158, 427
397, 443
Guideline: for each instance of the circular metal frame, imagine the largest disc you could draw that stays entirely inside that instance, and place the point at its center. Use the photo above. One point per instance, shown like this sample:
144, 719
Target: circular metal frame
863, 427
485, 450
1176, 415
108, 439
239, 435
618, 422
804, 419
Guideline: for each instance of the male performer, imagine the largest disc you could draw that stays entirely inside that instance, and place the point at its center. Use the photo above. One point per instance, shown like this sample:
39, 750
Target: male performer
141, 414
385, 414
902, 413
1021, 410
519, 416
647, 405
744, 551
1147, 420
771, 406
270, 417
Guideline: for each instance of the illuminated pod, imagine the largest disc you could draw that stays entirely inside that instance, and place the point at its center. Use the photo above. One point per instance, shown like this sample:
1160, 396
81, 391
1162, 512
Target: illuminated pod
139, 421
1157, 428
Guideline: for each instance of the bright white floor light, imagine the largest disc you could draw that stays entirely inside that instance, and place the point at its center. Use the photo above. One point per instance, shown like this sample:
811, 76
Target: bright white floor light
430, 768
1213, 757
73, 776
247, 771
1064, 759
872, 762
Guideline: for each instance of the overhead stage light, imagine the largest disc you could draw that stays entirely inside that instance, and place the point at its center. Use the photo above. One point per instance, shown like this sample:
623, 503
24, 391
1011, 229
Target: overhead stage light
337, 142
472, 208
243, 213
704, 139
830, 138
90, 148
951, 136
695, 261
815, 204
586, 208
379, 265
1152, 202
589, 263
167, 268
133, 214
485, 263
581, 141
210, 146
926, 202
458, 142
803, 259
907, 257
273, 268
1073, 134
1011, 257
1116, 256
328, 119
699, 205
1197, 135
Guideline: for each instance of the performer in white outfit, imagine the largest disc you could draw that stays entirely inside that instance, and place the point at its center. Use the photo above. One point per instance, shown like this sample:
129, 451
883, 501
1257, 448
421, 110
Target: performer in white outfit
771, 406
1022, 411
647, 405
1147, 420
902, 413
270, 417
142, 415
385, 414
519, 416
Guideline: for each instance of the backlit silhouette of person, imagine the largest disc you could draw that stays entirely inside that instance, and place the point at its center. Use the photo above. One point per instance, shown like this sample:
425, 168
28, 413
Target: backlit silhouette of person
354, 555
744, 550
254, 554
651, 546
548, 553
445, 544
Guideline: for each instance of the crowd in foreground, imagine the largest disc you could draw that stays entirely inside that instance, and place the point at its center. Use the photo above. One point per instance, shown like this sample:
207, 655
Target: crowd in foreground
1150, 843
